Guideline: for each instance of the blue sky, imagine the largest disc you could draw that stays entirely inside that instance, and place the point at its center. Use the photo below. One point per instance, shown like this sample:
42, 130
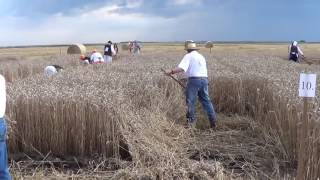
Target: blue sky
29, 22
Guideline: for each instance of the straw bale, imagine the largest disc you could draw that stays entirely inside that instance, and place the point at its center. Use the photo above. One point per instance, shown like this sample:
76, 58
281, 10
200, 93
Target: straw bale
76, 49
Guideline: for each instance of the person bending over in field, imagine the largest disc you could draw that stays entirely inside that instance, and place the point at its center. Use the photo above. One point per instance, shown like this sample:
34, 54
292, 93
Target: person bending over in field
194, 65
4, 171
52, 69
96, 57
295, 52
85, 59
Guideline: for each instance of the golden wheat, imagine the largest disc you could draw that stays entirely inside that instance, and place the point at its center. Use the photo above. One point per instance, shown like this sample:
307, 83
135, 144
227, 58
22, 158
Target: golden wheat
131, 106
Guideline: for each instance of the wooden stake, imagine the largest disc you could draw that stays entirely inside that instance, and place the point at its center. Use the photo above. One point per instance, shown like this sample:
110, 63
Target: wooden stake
303, 138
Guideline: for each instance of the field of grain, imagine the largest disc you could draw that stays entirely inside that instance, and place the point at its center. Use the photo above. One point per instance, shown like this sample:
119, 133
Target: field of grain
126, 120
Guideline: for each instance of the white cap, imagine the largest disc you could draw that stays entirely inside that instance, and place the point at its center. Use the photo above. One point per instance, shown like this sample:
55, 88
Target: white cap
2, 96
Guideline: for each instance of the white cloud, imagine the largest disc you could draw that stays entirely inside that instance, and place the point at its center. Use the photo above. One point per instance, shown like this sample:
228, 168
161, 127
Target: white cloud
186, 2
91, 26
134, 3
114, 22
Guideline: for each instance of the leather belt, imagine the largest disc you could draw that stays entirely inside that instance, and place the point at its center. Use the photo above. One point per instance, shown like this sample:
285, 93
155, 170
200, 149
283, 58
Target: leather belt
198, 77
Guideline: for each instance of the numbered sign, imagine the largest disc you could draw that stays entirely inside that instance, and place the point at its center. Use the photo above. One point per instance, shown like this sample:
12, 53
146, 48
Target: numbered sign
307, 85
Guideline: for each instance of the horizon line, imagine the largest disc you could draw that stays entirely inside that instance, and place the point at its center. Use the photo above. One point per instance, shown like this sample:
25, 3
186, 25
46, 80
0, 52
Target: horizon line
200, 41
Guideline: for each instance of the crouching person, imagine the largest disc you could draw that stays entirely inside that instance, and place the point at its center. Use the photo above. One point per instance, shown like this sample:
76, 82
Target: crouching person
295, 52
52, 69
4, 171
85, 59
96, 57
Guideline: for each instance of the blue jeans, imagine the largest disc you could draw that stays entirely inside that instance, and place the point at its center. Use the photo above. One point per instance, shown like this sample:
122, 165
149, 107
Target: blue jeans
198, 87
4, 171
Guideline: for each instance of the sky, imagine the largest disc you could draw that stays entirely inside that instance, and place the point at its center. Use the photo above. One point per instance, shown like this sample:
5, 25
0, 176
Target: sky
38, 22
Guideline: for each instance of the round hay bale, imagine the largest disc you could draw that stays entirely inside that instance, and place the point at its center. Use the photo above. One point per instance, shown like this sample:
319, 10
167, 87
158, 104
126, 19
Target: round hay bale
76, 49
209, 44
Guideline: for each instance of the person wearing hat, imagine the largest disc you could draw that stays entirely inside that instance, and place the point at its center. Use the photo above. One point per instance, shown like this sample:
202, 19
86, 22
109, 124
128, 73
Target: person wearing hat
96, 57
52, 69
109, 52
295, 52
4, 171
195, 67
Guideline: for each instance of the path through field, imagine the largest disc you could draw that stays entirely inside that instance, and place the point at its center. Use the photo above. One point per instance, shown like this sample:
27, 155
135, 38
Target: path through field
240, 146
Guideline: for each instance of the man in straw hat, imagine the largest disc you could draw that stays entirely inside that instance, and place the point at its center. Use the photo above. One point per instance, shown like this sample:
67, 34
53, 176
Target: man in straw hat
194, 65
4, 171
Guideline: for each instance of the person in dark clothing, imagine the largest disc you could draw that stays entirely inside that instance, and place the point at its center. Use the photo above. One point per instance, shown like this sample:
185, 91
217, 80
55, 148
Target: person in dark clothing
109, 52
295, 52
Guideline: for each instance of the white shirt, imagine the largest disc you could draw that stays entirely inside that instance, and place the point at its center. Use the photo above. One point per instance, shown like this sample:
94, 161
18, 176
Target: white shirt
2, 96
194, 64
136, 48
299, 50
96, 57
50, 70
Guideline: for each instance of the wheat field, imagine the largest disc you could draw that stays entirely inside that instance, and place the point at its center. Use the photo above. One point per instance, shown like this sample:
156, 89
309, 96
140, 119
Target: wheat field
126, 120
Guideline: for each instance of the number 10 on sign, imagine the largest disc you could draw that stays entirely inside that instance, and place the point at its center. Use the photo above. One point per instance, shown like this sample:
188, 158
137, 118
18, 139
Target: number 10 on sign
307, 85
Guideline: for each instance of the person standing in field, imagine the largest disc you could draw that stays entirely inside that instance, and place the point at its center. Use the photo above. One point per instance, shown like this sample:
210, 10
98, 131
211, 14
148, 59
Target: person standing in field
4, 171
109, 52
130, 46
195, 67
136, 48
115, 46
295, 52
96, 57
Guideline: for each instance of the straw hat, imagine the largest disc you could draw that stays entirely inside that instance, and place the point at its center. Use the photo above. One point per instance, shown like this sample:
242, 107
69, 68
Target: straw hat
191, 46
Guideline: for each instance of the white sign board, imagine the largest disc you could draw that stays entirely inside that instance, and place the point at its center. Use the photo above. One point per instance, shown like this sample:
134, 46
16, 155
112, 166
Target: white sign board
307, 85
